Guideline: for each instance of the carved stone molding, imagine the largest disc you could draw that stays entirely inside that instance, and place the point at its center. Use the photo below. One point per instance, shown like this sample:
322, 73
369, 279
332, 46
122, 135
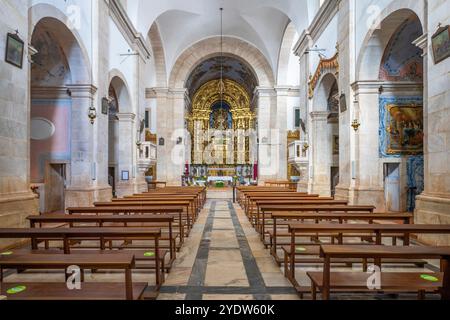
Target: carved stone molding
422, 43
325, 66
82, 90
50, 92
120, 17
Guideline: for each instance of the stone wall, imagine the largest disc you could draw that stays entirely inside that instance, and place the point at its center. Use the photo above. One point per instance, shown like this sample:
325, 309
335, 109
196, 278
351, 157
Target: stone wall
16, 199
433, 206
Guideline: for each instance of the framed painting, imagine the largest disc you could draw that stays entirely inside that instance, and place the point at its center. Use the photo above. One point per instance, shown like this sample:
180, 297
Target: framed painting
404, 126
105, 106
343, 102
335, 145
125, 175
441, 44
14, 50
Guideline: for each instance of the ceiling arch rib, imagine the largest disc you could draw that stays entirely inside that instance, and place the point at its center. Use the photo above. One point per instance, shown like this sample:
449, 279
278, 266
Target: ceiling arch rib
185, 22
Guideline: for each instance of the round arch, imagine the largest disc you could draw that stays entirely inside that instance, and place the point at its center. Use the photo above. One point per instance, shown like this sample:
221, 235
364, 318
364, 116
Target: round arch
378, 37
208, 48
323, 90
158, 56
120, 85
285, 54
51, 18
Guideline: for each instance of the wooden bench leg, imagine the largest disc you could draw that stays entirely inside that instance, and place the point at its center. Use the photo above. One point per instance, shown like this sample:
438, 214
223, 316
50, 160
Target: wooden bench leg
421, 295
314, 291
286, 265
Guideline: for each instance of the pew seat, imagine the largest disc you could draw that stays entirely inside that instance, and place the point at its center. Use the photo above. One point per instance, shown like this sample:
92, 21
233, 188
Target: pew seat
59, 291
392, 282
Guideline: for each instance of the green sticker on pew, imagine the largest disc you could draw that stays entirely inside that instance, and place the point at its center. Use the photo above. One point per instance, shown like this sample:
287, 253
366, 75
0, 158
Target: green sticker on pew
149, 254
430, 278
300, 249
16, 290
7, 253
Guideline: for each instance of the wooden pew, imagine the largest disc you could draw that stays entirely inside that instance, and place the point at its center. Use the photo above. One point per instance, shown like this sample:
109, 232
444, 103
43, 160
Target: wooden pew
189, 203
188, 215
283, 184
376, 230
59, 291
200, 191
128, 210
244, 198
286, 218
254, 200
194, 199
251, 199
66, 235
154, 184
241, 190
326, 281
259, 216
267, 210
156, 222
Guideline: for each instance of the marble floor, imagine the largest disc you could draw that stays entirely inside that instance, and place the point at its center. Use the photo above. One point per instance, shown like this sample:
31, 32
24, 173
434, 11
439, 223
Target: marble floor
224, 260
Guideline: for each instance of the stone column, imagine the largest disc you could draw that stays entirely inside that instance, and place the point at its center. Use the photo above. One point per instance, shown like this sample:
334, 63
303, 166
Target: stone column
126, 153
304, 183
177, 140
347, 28
162, 128
321, 153
82, 189
269, 138
368, 167
433, 205
170, 107
281, 124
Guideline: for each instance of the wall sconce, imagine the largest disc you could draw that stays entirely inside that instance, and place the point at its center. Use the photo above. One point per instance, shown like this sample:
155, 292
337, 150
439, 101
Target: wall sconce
139, 145
305, 147
179, 140
92, 114
355, 125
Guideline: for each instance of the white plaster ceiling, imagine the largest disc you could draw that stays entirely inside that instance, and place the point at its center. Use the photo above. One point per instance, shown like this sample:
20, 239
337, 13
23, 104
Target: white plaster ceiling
184, 22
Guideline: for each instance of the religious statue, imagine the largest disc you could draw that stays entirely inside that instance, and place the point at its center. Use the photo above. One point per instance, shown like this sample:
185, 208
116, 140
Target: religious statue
220, 118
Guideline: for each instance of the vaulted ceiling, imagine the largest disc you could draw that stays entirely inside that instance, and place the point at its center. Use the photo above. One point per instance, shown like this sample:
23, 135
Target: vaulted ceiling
184, 22
232, 69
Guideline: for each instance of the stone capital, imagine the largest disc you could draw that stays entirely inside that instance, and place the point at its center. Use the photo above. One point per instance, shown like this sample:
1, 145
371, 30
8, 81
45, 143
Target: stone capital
422, 43
319, 115
82, 90
367, 87
61, 92
156, 92
378, 87
126, 117
290, 91
264, 91
179, 93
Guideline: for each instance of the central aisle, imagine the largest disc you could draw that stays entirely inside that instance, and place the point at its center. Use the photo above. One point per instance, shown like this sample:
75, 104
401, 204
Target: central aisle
224, 259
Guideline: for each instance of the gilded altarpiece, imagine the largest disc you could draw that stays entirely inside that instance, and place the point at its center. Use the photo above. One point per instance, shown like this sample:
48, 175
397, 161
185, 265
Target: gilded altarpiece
219, 123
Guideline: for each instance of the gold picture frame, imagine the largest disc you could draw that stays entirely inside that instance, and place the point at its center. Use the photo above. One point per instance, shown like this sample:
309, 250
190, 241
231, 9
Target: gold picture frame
405, 129
441, 44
